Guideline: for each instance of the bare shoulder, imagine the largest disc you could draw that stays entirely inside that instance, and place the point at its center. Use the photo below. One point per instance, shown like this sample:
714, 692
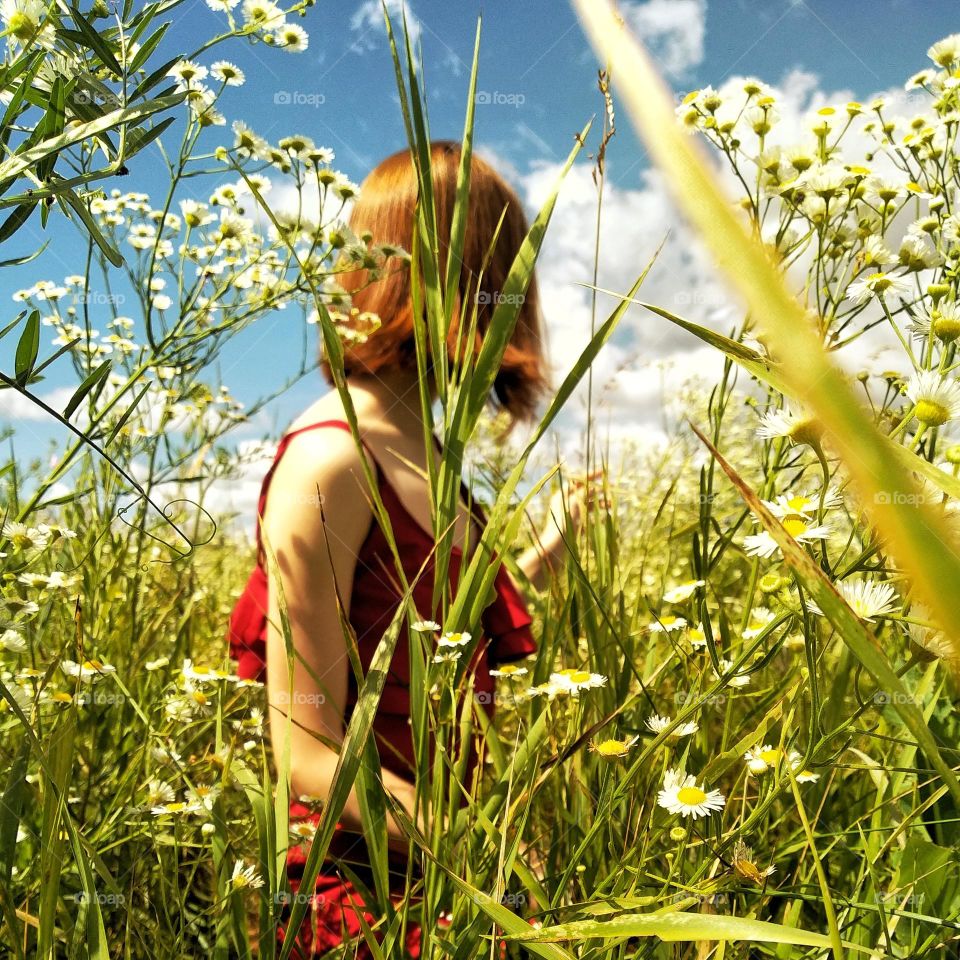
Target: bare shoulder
319, 469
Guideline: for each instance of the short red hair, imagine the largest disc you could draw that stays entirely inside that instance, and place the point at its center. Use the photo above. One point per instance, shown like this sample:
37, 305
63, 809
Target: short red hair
386, 209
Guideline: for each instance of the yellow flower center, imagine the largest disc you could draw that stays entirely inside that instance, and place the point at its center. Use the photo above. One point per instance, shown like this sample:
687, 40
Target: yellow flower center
806, 431
21, 26
92, 665
691, 796
768, 756
946, 330
579, 676
611, 748
799, 503
795, 526
931, 413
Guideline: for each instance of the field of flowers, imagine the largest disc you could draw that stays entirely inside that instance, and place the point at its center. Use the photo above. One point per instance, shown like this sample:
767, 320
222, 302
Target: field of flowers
739, 736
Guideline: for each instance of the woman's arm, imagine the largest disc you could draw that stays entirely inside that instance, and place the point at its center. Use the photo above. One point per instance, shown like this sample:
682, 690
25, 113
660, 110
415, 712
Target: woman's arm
564, 517
540, 561
310, 554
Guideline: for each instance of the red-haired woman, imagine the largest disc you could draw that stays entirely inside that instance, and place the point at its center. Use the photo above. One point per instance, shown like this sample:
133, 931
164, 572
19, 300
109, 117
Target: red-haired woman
350, 552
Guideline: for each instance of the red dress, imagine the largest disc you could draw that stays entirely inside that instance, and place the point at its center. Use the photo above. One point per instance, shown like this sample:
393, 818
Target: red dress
506, 636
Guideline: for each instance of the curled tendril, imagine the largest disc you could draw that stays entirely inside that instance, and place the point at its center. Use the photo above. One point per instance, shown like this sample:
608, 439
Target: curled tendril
165, 512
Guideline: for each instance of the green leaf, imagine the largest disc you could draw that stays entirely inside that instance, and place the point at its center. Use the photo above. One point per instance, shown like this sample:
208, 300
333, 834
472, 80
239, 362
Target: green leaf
682, 928
15, 165
87, 35
147, 48
90, 381
127, 413
28, 348
69, 198
16, 220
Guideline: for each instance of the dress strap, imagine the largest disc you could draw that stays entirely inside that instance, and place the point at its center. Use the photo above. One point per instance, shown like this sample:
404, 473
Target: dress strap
474, 508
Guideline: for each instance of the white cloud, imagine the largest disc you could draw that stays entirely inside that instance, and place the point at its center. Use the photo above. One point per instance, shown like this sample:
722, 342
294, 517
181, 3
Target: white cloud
369, 25
15, 406
673, 31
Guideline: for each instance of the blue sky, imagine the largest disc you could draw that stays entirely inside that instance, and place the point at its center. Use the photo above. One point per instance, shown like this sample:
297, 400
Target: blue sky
540, 80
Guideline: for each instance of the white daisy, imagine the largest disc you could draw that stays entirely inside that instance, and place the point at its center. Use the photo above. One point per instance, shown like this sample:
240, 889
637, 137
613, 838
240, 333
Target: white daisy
935, 400
292, 38
799, 504
761, 759
945, 52
425, 626
174, 808
800, 528
568, 682
200, 673
658, 724
877, 285
683, 591
736, 679
667, 624
159, 792
791, 424
509, 670
942, 321
228, 73
803, 776
88, 671
454, 640
187, 73
245, 877
760, 618
263, 14
681, 794
22, 18
867, 598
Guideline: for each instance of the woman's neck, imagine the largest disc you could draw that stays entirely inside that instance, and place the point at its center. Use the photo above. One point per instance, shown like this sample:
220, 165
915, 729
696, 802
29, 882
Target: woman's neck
392, 396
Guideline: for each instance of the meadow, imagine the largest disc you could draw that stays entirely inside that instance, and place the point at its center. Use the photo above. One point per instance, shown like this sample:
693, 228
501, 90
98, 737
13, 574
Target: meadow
739, 735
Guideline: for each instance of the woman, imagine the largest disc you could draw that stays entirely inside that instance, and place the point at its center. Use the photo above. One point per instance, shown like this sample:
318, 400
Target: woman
349, 553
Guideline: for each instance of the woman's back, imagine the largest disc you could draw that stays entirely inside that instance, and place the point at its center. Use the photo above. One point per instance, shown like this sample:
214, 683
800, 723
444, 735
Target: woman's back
372, 591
